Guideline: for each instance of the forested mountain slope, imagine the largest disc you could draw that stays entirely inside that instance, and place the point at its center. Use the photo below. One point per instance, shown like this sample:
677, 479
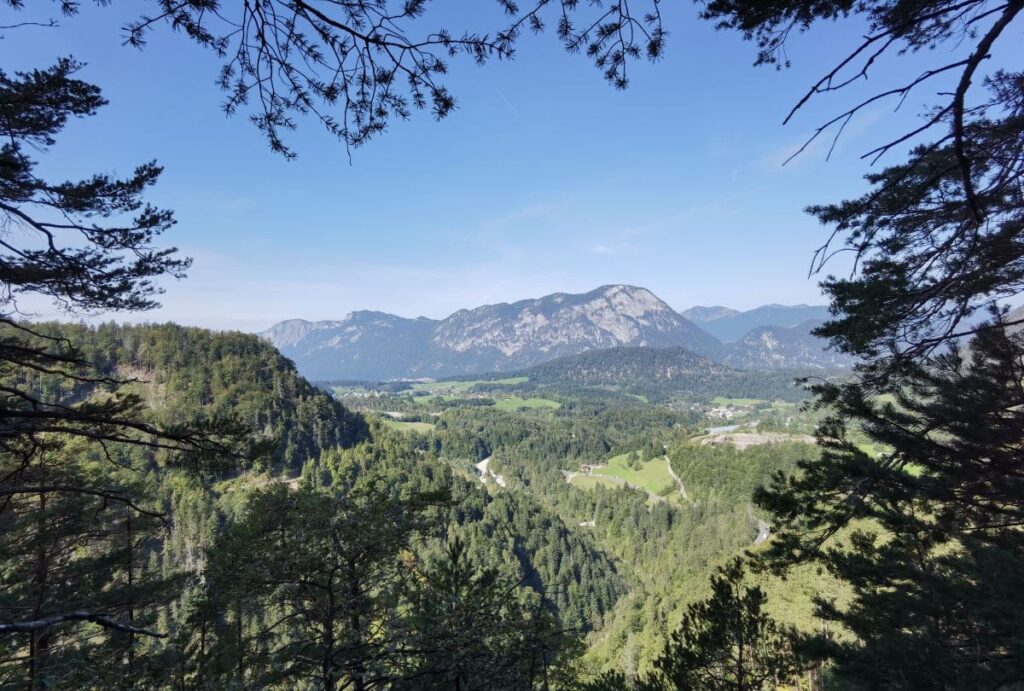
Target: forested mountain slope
204, 568
188, 374
665, 545
784, 347
661, 373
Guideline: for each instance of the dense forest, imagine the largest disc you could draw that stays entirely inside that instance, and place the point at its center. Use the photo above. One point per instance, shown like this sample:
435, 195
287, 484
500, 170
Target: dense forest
190, 376
173, 556
221, 558
659, 375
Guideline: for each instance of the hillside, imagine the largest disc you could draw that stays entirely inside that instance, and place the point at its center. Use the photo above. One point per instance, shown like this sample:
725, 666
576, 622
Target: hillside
212, 525
187, 374
780, 347
660, 373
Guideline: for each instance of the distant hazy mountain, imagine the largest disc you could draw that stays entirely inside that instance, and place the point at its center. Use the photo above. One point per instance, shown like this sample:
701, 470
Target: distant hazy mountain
374, 345
729, 325
363, 345
779, 347
702, 315
290, 332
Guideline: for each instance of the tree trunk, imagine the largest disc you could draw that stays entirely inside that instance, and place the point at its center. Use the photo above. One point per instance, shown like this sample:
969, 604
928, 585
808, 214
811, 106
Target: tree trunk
39, 643
355, 622
327, 665
241, 648
131, 596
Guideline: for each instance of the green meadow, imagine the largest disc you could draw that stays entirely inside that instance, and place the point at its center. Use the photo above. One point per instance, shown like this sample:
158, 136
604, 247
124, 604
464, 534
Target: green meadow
451, 386
653, 475
589, 482
421, 427
515, 403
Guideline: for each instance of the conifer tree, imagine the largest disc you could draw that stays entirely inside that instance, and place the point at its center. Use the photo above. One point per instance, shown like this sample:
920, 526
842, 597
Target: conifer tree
73, 531
727, 642
475, 630
932, 544
306, 588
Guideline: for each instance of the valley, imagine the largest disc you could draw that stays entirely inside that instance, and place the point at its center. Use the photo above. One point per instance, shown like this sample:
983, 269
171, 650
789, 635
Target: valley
593, 484
653, 483
491, 457
604, 487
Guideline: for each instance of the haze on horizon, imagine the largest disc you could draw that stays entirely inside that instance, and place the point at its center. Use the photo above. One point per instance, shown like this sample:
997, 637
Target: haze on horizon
534, 298
544, 180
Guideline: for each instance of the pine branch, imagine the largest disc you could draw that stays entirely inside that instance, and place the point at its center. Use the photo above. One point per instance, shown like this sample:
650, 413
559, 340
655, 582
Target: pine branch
78, 615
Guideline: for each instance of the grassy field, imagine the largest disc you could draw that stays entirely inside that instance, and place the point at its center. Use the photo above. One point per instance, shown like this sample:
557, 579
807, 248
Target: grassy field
588, 482
515, 403
721, 400
508, 403
653, 476
341, 391
449, 387
421, 427
872, 449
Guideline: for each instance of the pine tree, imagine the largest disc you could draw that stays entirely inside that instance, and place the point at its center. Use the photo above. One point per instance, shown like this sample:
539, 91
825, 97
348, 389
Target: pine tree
355, 66
87, 246
73, 558
924, 534
475, 630
931, 541
727, 642
305, 589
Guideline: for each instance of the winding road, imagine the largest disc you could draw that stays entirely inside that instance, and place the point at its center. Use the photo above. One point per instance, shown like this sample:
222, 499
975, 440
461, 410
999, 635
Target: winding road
682, 487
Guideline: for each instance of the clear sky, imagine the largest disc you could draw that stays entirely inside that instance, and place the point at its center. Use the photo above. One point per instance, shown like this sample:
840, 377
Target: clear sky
545, 179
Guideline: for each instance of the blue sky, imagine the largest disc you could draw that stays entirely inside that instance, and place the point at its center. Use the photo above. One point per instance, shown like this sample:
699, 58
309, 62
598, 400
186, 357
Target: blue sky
545, 179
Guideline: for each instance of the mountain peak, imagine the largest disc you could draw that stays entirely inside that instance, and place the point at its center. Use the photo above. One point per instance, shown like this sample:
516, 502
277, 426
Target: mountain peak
504, 336
624, 289
527, 331
618, 287
291, 331
369, 344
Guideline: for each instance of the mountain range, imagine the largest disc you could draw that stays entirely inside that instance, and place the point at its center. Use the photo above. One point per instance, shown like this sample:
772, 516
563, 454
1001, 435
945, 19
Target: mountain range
513, 336
729, 325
